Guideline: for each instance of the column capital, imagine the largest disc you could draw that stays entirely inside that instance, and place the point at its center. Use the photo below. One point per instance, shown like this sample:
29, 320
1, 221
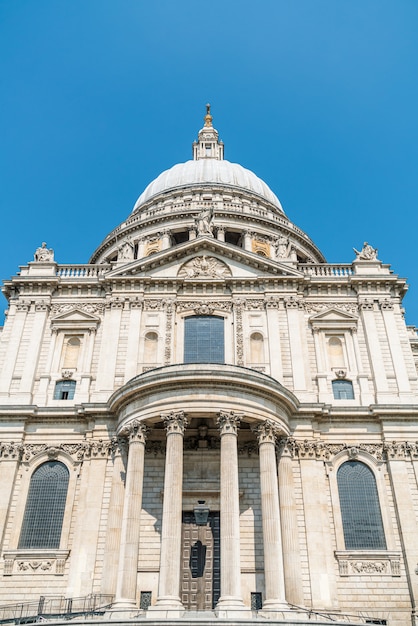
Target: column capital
135, 432
267, 432
175, 422
229, 421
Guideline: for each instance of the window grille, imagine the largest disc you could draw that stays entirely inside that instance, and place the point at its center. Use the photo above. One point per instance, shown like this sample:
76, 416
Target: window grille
45, 505
145, 600
256, 600
64, 390
204, 339
343, 389
360, 509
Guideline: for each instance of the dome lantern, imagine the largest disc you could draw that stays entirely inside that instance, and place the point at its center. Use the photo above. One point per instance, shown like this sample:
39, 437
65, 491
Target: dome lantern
208, 145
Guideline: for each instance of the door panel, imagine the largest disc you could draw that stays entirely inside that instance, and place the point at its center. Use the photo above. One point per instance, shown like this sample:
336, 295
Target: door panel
200, 564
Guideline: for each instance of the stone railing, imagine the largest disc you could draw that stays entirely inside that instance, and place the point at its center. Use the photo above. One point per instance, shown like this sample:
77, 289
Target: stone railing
327, 270
82, 271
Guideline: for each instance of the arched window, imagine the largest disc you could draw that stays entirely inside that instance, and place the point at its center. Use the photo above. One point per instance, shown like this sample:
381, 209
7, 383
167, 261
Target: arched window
257, 348
204, 339
44, 512
150, 347
64, 390
71, 352
360, 509
343, 389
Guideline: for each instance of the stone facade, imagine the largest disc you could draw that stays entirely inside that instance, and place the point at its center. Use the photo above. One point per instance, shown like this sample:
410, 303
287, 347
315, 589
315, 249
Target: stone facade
318, 372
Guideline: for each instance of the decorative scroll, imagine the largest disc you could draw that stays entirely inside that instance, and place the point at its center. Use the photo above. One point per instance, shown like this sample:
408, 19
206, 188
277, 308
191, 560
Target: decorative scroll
37, 562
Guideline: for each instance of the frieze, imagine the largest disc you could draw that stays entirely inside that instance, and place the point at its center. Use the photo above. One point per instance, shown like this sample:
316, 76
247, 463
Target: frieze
11, 450
153, 304
77, 451
197, 305
41, 306
255, 305
87, 307
367, 564
317, 449
318, 307
42, 562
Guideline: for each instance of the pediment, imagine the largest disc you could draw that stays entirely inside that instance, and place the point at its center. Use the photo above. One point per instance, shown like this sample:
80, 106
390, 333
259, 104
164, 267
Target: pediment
333, 318
75, 318
225, 259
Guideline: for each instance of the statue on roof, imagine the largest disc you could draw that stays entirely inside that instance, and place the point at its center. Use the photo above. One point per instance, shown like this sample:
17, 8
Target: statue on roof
204, 222
44, 255
368, 253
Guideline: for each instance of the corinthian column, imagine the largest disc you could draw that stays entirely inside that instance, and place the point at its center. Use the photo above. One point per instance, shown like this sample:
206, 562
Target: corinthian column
230, 599
169, 581
270, 512
132, 505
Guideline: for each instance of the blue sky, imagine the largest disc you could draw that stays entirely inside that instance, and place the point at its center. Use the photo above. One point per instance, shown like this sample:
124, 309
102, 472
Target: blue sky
318, 97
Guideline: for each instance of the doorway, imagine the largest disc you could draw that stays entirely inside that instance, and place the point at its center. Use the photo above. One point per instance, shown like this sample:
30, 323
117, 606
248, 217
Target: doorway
200, 563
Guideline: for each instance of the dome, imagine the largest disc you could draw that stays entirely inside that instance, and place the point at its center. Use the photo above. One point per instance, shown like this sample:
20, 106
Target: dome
208, 171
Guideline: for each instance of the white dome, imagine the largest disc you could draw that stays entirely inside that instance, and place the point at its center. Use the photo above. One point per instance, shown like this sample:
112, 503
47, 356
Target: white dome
208, 171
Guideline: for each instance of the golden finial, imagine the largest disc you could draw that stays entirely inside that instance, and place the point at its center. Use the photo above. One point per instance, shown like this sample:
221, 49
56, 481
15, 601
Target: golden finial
208, 118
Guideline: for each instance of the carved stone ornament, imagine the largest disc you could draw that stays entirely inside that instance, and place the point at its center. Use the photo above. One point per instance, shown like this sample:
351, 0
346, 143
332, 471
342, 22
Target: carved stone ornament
204, 267
363, 563
135, 432
267, 432
197, 305
293, 302
35, 562
67, 373
318, 307
317, 449
175, 422
386, 305
87, 307
228, 422
94, 448
340, 373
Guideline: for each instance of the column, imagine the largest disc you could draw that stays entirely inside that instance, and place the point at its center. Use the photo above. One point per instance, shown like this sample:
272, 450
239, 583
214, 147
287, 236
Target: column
289, 526
131, 519
270, 512
169, 581
230, 599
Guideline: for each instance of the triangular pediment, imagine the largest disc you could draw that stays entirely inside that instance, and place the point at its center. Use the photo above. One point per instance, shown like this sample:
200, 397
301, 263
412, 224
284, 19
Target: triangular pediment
75, 318
333, 318
229, 260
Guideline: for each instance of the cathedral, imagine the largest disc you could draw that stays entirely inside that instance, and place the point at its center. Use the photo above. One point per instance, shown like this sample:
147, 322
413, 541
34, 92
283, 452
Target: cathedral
208, 421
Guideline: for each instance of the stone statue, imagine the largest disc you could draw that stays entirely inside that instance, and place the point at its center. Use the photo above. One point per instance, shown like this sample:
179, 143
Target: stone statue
126, 251
204, 222
282, 247
368, 253
44, 255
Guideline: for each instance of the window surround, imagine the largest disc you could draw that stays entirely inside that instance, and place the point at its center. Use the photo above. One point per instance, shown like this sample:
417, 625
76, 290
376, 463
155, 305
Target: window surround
40, 561
363, 562
228, 331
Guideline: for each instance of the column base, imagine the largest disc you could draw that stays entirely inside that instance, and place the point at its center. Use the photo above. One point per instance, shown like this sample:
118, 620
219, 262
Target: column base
166, 607
230, 607
275, 609
122, 609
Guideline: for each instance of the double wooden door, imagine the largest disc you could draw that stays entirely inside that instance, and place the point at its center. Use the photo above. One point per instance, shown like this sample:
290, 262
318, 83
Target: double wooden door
200, 563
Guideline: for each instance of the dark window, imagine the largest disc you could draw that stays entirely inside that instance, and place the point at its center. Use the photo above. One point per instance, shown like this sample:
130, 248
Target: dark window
64, 390
233, 237
180, 237
343, 389
44, 512
204, 339
360, 509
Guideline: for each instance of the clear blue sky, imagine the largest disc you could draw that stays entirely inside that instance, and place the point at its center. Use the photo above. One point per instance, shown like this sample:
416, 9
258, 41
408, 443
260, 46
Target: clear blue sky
318, 97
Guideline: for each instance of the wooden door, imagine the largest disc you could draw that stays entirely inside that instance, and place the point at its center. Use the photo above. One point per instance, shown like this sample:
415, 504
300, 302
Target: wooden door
200, 564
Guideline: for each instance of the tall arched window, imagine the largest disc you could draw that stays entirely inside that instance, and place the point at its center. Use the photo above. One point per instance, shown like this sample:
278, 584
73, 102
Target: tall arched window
45, 505
360, 509
204, 339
